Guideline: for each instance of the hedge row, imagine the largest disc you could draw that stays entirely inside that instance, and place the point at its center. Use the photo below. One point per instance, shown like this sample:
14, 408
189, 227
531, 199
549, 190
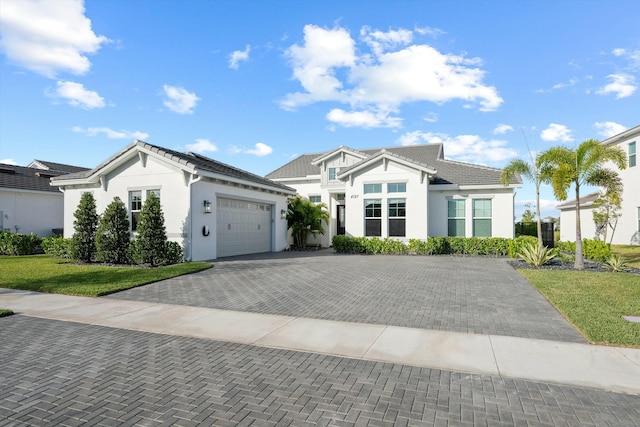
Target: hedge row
595, 250
18, 244
493, 246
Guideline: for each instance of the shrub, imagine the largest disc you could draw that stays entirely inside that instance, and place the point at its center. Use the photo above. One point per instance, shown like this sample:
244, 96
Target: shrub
537, 255
172, 253
57, 246
112, 236
595, 250
616, 263
85, 225
516, 245
151, 239
18, 244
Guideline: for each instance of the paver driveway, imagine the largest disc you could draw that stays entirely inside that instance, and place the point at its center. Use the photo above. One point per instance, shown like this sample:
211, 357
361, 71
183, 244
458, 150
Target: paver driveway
462, 294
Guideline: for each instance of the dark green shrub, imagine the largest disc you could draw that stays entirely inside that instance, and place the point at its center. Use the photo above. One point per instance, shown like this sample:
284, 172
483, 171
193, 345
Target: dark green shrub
18, 244
151, 236
112, 236
516, 245
439, 245
85, 225
57, 246
172, 253
595, 250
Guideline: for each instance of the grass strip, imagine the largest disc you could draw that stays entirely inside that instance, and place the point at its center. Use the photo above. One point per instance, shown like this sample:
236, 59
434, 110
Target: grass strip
594, 303
5, 312
628, 252
41, 273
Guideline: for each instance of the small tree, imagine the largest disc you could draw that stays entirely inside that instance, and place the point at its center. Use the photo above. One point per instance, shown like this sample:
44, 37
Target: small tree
151, 239
85, 224
305, 218
112, 237
606, 208
528, 215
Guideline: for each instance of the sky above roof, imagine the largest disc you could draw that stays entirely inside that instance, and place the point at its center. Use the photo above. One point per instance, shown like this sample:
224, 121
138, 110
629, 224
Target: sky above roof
257, 83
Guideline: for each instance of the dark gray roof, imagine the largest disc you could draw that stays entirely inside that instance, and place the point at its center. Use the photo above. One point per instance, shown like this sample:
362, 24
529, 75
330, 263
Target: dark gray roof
588, 199
57, 167
429, 155
196, 161
25, 178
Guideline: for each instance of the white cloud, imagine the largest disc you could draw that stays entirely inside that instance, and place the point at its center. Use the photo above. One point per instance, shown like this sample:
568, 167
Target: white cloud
467, 148
330, 67
48, 37
202, 145
259, 150
75, 94
608, 129
364, 119
431, 117
8, 162
237, 56
110, 133
179, 100
622, 85
429, 31
556, 132
632, 55
501, 129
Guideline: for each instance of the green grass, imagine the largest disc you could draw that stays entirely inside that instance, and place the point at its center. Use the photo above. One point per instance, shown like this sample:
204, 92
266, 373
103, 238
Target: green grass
628, 252
593, 302
42, 273
5, 312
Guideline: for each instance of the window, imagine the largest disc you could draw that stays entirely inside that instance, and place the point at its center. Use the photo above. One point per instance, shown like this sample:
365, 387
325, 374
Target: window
333, 172
373, 217
482, 217
155, 192
397, 217
399, 187
456, 218
632, 154
340, 197
315, 199
135, 205
372, 188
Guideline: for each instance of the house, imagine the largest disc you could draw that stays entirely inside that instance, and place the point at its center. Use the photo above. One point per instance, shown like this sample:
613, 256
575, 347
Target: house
627, 230
212, 209
28, 203
403, 193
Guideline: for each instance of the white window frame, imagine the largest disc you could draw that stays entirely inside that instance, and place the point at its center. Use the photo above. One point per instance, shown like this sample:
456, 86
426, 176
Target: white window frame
633, 156
477, 217
456, 217
372, 188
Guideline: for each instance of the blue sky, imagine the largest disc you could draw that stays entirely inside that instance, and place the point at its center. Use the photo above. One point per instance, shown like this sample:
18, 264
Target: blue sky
257, 83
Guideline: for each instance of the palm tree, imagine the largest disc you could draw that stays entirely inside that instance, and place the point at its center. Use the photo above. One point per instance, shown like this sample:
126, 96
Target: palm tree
305, 218
580, 166
531, 172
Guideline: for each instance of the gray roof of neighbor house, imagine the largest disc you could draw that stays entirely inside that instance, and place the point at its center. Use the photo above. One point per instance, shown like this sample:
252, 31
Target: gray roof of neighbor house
584, 201
56, 167
428, 155
193, 160
32, 177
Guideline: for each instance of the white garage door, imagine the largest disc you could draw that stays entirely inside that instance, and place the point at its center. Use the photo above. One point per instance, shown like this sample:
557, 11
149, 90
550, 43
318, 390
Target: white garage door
242, 227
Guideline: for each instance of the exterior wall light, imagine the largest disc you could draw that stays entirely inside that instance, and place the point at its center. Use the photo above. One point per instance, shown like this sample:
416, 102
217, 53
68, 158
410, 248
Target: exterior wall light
207, 206
283, 214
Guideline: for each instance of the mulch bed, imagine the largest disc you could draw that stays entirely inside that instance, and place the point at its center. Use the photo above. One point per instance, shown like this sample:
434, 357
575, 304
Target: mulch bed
556, 264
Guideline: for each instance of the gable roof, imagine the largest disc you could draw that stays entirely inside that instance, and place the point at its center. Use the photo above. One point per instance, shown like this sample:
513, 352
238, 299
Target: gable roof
430, 156
192, 162
634, 131
35, 177
584, 201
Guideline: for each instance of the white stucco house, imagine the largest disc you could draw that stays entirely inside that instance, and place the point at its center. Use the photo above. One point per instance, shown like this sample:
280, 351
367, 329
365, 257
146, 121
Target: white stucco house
212, 209
28, 204
402, 193
628, 228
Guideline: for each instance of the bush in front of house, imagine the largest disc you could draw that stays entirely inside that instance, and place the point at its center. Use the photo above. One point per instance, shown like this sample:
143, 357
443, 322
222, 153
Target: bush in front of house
18, 244
438, 245
151, 239
85, 226
112, 235
57, 246
595, 250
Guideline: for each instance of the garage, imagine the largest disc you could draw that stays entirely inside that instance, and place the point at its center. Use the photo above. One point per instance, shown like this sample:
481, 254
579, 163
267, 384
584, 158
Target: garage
243, 227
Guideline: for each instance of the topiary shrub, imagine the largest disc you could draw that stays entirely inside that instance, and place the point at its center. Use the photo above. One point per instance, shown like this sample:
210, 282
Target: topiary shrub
85, 225
112, 235
151, 238
172, 253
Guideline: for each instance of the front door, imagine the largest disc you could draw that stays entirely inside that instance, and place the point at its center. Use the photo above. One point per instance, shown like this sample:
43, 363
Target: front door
340, 222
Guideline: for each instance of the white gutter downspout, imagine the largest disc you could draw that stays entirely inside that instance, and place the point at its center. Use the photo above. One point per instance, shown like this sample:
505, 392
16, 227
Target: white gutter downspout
191, 182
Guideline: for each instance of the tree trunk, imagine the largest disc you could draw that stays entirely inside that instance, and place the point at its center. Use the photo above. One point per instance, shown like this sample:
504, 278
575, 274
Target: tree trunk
613, 231
579, 263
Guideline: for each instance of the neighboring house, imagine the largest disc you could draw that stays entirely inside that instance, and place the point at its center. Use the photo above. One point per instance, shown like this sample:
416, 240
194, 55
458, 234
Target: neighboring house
628, 228
403, 193
212, 209
28, 203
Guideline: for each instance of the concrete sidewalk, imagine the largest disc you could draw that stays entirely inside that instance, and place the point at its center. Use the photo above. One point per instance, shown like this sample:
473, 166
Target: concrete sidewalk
608, 368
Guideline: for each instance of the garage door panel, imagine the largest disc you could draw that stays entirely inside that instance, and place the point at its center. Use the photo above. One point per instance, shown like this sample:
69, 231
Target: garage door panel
242, 227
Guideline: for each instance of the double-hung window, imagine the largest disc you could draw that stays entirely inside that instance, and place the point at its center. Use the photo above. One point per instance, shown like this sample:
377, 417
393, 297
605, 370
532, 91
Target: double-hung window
397, 217
456, 214
333, 174
632, 154
482, 217
373, 217
135, 205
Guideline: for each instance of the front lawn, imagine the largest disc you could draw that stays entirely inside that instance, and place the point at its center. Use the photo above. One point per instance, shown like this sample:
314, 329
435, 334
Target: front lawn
593, 302
43, 273
628, 252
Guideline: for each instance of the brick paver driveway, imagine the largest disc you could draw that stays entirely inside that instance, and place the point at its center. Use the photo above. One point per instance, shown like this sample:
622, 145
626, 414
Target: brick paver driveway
57, 373
463, 294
